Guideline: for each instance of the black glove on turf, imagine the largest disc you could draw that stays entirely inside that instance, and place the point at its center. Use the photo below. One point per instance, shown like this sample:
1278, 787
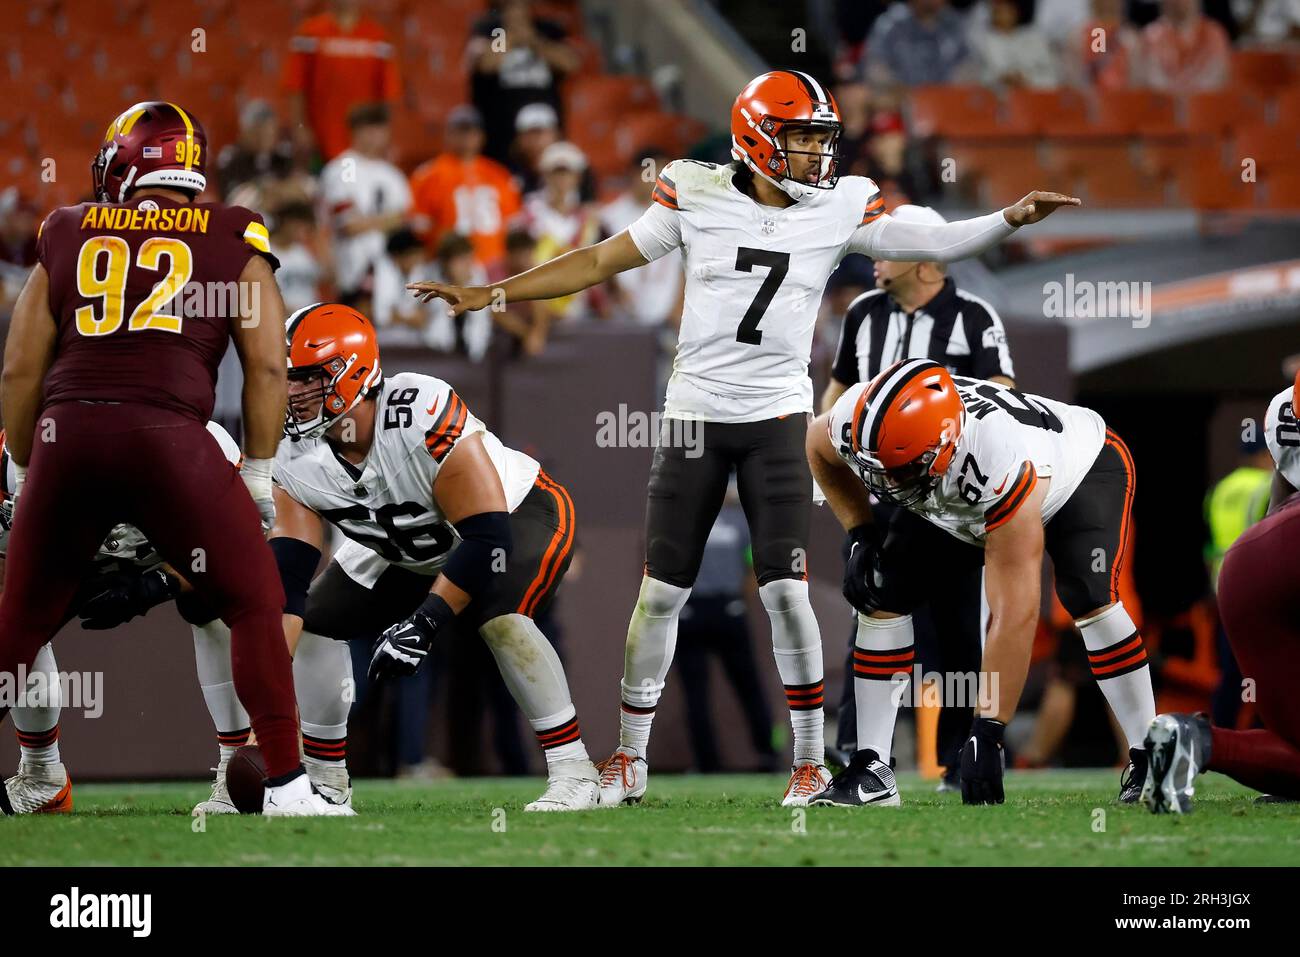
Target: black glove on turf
119, 598
860, 589
982, 762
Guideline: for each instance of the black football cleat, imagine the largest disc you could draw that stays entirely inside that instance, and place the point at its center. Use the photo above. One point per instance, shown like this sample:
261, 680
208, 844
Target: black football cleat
867, 780
1134, 776
1178, 748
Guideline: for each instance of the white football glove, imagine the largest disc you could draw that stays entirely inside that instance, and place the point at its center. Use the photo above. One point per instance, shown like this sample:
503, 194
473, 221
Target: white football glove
256, 474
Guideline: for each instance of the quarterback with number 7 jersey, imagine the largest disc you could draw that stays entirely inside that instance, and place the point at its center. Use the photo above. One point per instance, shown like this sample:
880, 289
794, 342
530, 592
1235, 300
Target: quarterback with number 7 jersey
985, 475
758, 239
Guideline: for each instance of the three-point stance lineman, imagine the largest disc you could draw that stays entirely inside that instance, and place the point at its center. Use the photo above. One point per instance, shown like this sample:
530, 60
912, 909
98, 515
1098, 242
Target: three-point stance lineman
987, 474
759, 236
444, 523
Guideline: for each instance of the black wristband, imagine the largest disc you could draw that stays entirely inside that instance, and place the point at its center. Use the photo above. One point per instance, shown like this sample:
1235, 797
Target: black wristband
864, 534
436, 610
989, 729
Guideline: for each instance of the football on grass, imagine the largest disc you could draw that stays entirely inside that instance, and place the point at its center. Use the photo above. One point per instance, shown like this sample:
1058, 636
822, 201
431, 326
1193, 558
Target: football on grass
245, 779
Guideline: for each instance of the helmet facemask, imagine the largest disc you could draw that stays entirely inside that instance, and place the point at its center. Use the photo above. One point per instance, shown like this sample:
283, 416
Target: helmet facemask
828, 158
905, 485
304, 418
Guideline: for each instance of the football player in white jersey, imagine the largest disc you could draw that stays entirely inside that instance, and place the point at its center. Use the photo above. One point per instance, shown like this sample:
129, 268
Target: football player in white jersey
1282, 436
986, 474
128, 578
759, 238
445, 524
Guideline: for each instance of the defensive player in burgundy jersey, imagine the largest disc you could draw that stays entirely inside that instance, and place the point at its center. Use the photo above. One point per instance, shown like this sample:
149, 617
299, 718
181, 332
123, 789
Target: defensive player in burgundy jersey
1259, 602
449, 531
758, 238
983, 474
109, 376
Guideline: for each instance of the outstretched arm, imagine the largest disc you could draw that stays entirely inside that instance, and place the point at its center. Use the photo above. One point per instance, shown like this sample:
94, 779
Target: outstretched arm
887, 238
562, 276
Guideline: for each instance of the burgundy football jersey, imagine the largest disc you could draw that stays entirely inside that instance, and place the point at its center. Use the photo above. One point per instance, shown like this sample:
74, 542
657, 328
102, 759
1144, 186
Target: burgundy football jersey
144, 294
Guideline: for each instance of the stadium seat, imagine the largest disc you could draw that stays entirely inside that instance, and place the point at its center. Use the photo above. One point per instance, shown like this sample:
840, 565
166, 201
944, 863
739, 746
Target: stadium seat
1002, 185
1206, 184
1286, 108
945, 111
1268, 145
973, 159
1264, 71
1060, 112
1219, 112
1281, 190
1134, 112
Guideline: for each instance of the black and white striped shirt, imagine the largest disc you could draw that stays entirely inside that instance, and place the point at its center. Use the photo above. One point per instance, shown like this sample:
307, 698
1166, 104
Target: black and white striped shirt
955, 328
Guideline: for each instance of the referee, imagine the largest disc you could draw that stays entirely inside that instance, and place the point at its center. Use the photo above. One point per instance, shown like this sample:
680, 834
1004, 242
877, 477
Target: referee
917, 312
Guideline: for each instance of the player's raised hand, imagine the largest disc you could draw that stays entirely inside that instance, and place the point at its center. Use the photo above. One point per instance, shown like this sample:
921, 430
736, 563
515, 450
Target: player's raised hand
1037, 206
460, 298
982, 761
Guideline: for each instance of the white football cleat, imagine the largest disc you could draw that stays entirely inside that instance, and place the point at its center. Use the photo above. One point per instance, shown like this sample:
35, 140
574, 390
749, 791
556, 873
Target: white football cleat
330, 780
572, 786
218, 801
299, 799
40, 789
623, 778
1178, 749
806, 782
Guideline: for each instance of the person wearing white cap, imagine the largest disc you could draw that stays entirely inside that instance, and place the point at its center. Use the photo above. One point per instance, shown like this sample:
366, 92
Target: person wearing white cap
916, 311
558, 219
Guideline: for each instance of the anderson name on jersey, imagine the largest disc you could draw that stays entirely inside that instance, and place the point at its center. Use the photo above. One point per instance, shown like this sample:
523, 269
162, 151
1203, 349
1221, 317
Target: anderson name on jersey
125, 544
755, 276
1008, 441
1282, 435
386, 506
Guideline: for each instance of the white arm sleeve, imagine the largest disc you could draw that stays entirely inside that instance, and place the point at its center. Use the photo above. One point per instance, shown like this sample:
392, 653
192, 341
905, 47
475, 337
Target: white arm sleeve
887, 238
657, 233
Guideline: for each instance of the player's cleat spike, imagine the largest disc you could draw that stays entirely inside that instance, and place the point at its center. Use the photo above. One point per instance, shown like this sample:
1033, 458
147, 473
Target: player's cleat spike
1134, 776
299, 799
572, 786
40, 789
806, 782
1178, 748
866, 781
218, 801
623, 778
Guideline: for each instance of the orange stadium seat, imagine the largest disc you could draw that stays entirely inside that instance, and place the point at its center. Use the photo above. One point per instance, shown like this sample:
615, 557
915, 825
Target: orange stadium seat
596, 105
968, 111
1074, 157
1266, 144
1264, 71
1207, 184
973, 159
1162, 156
1060, 112
1001, 185
1286, 107
1282, 190
1220, 111
1134, 112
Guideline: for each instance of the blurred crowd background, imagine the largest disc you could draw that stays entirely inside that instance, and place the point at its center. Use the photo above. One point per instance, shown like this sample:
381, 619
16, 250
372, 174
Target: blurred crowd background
390, 140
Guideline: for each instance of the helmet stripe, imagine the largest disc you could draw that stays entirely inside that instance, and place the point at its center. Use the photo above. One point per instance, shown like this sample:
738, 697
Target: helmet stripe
189, 136
126, 122
814, 88
891, 383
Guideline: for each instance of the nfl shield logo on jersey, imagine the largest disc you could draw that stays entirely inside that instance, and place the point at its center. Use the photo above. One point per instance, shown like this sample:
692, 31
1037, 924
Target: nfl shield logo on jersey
769, 226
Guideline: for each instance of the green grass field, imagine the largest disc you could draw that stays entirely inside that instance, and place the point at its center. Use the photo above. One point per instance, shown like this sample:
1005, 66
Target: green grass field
1049, 819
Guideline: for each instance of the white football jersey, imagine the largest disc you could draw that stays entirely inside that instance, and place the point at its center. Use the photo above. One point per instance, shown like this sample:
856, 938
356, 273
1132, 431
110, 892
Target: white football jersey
754, 279
1282, 433
386, 506
1006, 433
125, 543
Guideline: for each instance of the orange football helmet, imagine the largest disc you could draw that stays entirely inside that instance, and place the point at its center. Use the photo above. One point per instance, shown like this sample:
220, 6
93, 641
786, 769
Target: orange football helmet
333, 346
905, 430
766, 110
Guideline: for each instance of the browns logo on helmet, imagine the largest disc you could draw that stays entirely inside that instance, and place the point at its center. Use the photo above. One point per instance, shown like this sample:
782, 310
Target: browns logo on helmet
150, 144
334, 348
767, 110
905, 430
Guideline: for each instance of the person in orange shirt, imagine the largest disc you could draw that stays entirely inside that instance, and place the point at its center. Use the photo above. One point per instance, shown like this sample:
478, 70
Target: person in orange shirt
338, 60
1185, 50
463, 190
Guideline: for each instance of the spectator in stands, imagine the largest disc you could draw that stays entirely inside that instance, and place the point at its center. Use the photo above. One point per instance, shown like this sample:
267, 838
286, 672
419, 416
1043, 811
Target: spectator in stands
17, 229
917, 42
559, 221
1184, 50
400, 319
464, 191
1106, 49
536, 127
365, 199
1270, 21
299, 275
528, 322
1012, 52
1060, 20
714, 623
338, 59
515, 59
258, 153
652, 294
